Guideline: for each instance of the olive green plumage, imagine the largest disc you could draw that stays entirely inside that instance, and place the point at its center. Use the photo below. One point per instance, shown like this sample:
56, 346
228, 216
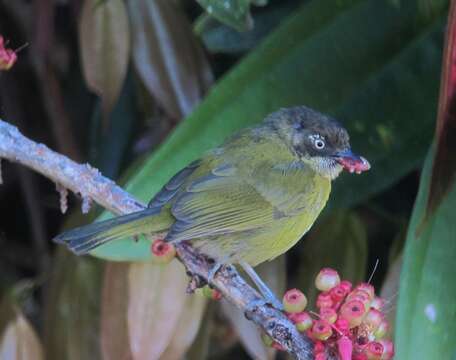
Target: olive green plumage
249, 200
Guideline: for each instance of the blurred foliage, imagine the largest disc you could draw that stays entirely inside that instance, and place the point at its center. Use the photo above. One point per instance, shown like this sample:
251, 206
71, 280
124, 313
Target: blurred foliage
106, 82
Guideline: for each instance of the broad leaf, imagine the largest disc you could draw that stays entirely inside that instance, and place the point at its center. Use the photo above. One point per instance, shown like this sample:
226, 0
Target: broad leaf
19, 341
425, 327
156, 301
104, 36
170, 62
377, 79
115, 344
72, 313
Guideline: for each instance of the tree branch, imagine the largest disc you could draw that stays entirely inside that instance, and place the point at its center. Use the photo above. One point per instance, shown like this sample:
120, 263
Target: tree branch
87, 181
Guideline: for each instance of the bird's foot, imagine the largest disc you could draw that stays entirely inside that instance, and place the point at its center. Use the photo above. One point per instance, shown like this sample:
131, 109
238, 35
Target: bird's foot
267, 293
213, 271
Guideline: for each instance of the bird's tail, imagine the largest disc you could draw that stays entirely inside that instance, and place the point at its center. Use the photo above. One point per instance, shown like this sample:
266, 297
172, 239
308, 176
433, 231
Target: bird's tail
83, 239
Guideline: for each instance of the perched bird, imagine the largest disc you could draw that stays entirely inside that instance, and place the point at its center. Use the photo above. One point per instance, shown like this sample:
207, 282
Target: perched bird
246, 201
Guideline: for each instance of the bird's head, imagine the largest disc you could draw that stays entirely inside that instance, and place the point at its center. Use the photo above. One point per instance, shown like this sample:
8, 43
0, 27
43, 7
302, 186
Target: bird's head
317, 140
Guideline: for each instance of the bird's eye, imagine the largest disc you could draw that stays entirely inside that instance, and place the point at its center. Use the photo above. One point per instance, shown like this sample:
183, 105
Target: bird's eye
319, 144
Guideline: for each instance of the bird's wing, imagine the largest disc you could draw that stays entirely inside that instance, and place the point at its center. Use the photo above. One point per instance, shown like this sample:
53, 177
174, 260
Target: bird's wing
219, 202
224, 202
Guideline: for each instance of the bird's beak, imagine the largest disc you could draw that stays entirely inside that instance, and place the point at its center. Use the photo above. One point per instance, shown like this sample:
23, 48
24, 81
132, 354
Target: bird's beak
352, 162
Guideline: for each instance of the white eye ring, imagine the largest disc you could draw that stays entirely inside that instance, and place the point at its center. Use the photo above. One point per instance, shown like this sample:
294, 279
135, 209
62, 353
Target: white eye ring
319, 144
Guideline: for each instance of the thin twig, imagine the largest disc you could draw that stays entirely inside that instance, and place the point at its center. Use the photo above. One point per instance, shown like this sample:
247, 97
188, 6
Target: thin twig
85, 180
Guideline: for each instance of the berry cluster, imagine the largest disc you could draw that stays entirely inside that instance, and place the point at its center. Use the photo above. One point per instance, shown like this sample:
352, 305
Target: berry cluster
7, 56
349, 324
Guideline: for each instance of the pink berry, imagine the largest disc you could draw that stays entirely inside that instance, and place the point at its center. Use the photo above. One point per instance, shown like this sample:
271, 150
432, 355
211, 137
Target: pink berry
374, 350
353, 311
328, 314
294, 301
163, 251
326, 279
388, 349
378, 303
338, 293
347, 285
382, 329
342, 325
321, 330
373, 319
321, 356
302, 320
324, 301
367, 288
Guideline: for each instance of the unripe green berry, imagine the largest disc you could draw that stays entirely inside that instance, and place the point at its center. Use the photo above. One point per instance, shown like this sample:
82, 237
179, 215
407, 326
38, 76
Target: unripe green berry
294, 301
302, 320
162, 251
267, 340
326, 279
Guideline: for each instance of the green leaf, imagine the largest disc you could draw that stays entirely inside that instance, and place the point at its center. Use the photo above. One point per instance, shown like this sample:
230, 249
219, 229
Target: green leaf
72, 312
425, 327
339, 242
378, 79
104, 36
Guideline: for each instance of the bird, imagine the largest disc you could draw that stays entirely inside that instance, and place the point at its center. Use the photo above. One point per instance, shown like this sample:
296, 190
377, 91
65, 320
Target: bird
246, 201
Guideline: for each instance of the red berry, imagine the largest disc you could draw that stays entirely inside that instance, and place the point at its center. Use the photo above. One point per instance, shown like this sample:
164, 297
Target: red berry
374, 350
324, 301
163, 251
326, 279
353, 311
319, 347
321, 330
213, 294
277, 346
347, 285
388, 349
328, 314
294, 301
302, 320
338, 293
